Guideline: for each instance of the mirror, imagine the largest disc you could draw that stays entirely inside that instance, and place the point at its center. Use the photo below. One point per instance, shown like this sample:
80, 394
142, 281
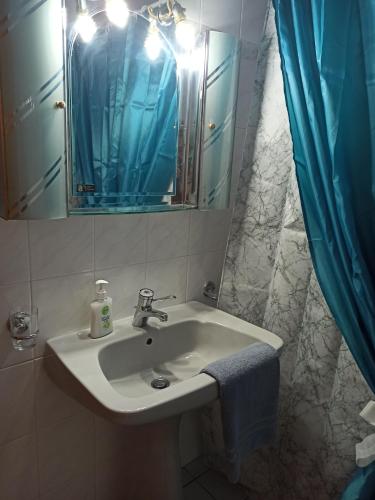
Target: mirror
134, 118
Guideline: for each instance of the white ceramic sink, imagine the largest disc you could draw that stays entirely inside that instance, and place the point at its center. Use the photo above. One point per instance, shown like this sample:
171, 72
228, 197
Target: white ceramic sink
117, 370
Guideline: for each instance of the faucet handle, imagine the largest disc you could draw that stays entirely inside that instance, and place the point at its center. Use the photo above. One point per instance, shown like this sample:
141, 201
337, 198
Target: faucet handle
167, 297
145, 297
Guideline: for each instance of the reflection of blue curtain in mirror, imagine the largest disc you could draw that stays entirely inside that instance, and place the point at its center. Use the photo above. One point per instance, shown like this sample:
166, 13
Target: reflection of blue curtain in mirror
125, 118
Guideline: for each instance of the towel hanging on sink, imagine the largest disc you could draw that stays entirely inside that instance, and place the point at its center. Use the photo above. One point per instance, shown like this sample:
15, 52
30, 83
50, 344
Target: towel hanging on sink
249, 383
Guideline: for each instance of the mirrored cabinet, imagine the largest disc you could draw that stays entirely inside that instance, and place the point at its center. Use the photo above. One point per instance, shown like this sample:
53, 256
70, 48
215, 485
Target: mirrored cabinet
108, 110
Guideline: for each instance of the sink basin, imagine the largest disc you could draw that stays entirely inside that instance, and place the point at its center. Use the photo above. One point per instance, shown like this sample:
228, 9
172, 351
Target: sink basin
117, 370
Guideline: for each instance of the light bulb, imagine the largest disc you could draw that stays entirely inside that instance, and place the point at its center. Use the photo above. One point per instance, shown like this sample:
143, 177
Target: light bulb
185, 34
153, 43
85, 26
117, 12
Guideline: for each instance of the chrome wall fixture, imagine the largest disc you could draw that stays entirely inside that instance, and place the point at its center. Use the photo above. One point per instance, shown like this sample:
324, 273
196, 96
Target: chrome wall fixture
163, 14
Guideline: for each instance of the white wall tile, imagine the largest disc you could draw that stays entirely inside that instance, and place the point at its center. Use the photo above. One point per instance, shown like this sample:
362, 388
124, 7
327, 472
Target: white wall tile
18, 470
77, 488
12, 296
60, 247
63, 305
66, 453
168, 235
17, 402
222, 15
194, 491
14, 261
124, 285
203, 268
168, 277
209, 230
253, 19
120, 240
248, 67
51, 404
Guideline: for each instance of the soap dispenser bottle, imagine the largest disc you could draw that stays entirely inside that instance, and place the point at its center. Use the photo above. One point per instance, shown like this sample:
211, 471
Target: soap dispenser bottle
101, 312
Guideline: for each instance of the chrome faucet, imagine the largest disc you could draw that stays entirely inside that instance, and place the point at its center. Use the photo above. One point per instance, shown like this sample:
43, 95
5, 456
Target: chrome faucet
144, 310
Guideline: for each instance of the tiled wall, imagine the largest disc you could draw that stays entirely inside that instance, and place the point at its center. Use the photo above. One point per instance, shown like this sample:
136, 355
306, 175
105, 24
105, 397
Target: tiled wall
51, 448
46, 438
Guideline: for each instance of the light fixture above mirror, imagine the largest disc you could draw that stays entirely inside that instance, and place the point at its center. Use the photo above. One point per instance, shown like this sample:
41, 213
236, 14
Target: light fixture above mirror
117, 12
163, 14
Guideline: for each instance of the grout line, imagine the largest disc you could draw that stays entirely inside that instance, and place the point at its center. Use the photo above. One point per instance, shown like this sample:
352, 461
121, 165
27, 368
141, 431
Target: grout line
93, 254
14, 365
28, 247
205, 489
36, 433
58, 276
148, 229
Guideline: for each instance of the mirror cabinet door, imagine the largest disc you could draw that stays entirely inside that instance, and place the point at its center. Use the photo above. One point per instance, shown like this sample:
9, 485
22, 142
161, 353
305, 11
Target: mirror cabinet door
220, 96
32, 143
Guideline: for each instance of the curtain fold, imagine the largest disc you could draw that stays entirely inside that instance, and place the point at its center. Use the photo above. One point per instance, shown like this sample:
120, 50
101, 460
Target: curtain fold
125, 116
327, 51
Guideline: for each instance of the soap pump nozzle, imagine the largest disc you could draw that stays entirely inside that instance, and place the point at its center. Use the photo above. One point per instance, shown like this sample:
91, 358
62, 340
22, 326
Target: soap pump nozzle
101, 289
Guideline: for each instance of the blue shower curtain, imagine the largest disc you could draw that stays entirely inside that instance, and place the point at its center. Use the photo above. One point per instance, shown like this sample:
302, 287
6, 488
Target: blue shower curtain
327, 51
125, 118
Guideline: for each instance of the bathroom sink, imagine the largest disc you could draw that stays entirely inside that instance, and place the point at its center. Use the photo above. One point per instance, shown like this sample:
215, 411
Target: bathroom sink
118, 370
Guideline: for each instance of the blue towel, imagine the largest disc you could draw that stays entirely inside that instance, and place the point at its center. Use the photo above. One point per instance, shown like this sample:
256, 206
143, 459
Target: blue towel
249, 392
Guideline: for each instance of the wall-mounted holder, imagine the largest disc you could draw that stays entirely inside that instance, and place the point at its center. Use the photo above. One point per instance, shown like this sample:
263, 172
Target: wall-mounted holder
23, 327
210, 291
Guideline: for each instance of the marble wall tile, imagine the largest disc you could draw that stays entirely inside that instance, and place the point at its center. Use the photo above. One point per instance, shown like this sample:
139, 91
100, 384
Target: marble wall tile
238, 147
293, 217
288, 293
344, 426
243, 301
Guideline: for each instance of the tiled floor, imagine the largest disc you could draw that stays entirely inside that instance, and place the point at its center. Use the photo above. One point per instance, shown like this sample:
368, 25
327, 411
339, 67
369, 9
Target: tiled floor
201, 483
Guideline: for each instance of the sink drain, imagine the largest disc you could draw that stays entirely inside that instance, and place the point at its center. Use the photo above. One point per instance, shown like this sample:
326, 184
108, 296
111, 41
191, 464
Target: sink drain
160, 383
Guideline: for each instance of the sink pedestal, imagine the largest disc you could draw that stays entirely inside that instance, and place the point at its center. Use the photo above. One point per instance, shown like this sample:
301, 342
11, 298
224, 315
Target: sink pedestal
152, 470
